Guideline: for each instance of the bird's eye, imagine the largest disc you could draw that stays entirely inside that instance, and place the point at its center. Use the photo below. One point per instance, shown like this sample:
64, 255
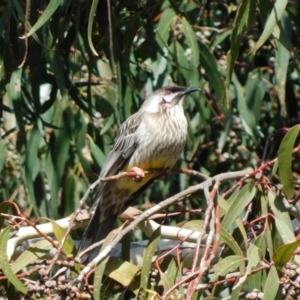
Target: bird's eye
167, 92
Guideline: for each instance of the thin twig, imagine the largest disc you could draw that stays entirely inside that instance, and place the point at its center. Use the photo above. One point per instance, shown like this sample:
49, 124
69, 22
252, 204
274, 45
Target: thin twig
210, 220
261, 169
25, 33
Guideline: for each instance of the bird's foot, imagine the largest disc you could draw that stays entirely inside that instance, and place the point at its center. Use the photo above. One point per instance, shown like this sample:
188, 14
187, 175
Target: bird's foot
139, 174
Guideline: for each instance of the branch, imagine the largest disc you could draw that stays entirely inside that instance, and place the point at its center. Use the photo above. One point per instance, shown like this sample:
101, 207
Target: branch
193, 189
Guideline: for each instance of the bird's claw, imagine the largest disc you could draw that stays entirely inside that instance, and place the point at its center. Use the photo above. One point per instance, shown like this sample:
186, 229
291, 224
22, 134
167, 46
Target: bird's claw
139, 174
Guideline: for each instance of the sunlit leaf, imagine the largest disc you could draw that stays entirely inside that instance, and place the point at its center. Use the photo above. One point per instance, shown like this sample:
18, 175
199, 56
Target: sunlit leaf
47, 14
243, 198
273, 19
90, 25
283, 254
122, 272
282, 218
272, 285
59, 232
34, 252
228, 265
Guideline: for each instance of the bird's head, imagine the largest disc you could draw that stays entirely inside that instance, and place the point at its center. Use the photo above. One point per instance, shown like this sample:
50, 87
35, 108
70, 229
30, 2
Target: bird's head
166, 98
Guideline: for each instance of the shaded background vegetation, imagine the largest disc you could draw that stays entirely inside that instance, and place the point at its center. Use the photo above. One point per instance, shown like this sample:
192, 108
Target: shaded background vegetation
84, 67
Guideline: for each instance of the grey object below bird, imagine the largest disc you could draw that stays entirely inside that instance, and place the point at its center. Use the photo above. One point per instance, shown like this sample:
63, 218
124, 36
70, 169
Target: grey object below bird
151, 139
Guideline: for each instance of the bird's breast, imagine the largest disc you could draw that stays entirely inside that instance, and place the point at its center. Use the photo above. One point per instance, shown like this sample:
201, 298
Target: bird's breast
160, 142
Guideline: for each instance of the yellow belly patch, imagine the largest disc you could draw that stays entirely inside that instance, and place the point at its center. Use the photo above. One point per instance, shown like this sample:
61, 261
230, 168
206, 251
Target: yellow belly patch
132, 186
159, 164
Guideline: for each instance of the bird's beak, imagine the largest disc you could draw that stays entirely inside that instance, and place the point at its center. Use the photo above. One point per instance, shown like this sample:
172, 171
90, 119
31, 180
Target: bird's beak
190, 90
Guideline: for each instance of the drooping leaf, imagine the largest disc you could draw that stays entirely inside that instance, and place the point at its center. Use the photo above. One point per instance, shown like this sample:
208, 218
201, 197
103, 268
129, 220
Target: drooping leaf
285, 160
243, 198
90, 26
34, 252
228, 265
272, 285
148, 257
101, 268
47, 14
282, 218
59, 232
283, 254
4, 263
123, 272
274, 17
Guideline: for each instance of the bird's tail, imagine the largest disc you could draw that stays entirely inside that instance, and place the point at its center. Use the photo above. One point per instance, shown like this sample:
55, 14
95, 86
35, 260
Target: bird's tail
95, 232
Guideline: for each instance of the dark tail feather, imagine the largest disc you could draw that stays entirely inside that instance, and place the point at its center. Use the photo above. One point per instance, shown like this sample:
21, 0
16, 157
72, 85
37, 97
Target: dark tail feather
95, 232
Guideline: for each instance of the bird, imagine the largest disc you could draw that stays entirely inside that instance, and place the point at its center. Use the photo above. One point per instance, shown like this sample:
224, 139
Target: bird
152, 139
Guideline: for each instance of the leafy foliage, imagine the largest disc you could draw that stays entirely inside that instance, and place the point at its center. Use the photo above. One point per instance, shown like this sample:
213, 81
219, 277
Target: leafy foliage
72, 71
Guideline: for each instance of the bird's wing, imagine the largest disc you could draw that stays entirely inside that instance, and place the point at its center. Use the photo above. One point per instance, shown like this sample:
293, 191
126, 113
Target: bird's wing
124, 145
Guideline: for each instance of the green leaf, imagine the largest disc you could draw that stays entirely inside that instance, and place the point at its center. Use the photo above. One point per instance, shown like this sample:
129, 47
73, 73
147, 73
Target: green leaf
59, 155
59, 232
231, 242
15, 94
281, 67
235, 294
260, 243
210, 64
256, 88
246, 114
70, 196
163, 28
148, 257
243, 15
285, 161
243, 198
132, 27
228, 265
34, 252
4, 263
108, 123
273, 19
57, 65
282, 218
4, 207
191, 40
119, 296
182, 65
255, 281
122, 272
101, 268
3, 152
195, 225
253, 255
272, 285
168, 278
284, 253
90, 26
32, 164
47, 14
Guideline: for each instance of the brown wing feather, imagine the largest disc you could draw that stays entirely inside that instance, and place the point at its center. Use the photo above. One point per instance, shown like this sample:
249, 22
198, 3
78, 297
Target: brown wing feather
120, 153
124, 146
